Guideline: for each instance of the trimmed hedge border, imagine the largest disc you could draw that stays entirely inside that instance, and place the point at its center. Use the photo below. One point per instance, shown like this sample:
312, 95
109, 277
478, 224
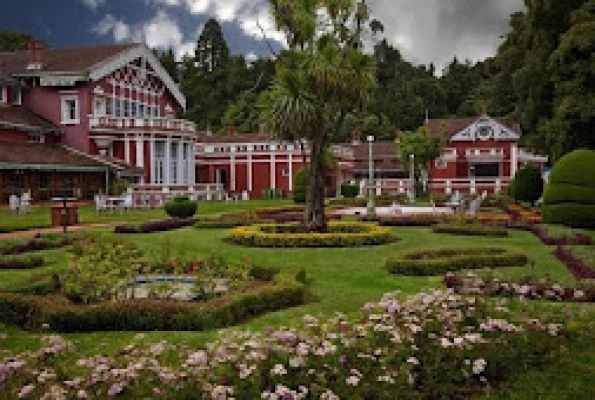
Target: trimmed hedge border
438, 261
155, 226
57, 314
342, 234
575, 215
511, 289
37, 244
471, 230
577, 267
542, 234
20, 262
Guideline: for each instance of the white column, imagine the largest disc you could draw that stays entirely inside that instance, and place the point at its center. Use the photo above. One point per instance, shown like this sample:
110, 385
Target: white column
232, 169
167, 180
513, 160
152, 158
273, 182
290, 164
180, 162
191, 165
140, 152
249, 161
126, 149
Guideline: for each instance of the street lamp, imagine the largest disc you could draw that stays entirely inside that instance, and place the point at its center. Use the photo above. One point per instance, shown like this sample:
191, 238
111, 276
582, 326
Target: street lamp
412, 178
371, 207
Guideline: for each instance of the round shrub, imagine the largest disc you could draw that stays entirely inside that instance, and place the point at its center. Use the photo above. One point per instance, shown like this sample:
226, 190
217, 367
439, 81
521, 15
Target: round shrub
339, 234
527, 185
569, 197
440, 261
181, 208
349, 191
299, 186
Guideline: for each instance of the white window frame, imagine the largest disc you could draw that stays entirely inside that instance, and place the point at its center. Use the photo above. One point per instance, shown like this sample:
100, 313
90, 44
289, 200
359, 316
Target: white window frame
3, 94
17, 96
285, 172
441, 163
66, 120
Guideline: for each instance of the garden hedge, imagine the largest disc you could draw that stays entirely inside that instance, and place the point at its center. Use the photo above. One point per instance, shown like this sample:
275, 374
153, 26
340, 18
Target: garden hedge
339, 234
56, 313
155, 226
440, 261
471, 229
20, 262
569, 197
349, 191
181, 207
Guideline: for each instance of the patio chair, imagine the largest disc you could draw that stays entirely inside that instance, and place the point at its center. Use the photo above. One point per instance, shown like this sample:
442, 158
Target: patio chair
128, 203
25, 202
14, 203
100, 203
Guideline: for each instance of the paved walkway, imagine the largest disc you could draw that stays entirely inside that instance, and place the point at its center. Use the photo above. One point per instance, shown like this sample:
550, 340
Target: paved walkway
44, 231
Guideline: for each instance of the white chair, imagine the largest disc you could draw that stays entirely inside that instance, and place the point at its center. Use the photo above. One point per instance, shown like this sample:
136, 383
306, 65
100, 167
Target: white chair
245, 195
100, 203
128, 203
14, 202
25, 202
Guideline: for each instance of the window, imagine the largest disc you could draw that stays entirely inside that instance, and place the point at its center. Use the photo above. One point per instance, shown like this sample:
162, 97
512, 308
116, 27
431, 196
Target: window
441, 163
118, 107
109, 109
484, 170
174, 163
35, 137
159, 162
70, 110
133, 106
16, 96
141, 110
3, 94
285, 172
126, 107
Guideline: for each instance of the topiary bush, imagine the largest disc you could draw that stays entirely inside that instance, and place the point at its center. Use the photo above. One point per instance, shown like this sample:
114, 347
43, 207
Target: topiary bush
569, 196
349, 191
299, 186
181, 207
527, 185
471, 229
440, 261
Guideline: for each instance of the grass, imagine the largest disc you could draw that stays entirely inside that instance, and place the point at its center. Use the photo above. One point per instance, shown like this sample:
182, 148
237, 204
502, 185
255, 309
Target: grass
341, 280
585, 253
39, 218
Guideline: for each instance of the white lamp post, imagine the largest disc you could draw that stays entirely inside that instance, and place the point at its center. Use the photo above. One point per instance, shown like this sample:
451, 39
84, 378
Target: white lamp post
412, 177
371, 206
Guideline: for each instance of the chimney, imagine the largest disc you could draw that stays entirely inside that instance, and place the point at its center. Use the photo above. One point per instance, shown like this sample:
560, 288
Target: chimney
355, 137
35, 55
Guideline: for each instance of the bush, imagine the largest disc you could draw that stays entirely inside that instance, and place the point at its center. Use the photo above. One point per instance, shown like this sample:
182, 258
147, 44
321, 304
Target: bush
349, 191
439, 199
439, 261
299, 186
569, 197
60, 315
181, 208
272, 194
527, 185
340, 234
20, 262
472, 229
229, 220
19, 246
155, 226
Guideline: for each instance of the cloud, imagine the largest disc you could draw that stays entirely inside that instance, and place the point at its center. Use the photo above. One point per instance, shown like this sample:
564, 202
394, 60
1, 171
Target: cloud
94, 4
160, 32
435, 30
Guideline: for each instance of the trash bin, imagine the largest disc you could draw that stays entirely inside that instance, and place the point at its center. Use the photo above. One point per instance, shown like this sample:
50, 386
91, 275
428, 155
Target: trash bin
65, 215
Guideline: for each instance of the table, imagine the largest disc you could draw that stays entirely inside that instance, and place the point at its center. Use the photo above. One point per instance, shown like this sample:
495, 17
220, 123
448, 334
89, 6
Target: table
64, 213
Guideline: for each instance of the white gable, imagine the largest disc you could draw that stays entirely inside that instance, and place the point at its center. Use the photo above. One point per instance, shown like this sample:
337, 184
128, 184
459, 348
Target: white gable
485, 128
105, 68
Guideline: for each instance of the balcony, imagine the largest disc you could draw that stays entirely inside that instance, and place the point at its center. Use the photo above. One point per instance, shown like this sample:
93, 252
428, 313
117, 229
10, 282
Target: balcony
527, 156
133, 124
484, 154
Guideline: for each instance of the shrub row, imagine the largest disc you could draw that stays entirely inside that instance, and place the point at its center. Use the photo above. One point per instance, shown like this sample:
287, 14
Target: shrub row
58, 314
21, 262
339, 234
576, 266
229, 220
562, 193
439, 261
576, 215
577, 239
155, 226
526, 291
37, 244
471, 229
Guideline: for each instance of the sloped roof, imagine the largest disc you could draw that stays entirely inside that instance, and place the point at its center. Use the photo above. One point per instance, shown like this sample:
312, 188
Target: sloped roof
24, 119
76, 60
31, 155
450, 126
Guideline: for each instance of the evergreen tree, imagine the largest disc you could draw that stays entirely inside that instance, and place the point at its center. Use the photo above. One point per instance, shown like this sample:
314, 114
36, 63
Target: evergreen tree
14, 40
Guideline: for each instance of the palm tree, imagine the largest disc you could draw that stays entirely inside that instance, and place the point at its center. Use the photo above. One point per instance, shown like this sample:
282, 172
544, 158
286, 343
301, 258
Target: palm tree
320, 79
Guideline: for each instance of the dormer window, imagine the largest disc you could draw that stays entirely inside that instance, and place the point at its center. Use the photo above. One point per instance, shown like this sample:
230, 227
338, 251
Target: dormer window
485, 132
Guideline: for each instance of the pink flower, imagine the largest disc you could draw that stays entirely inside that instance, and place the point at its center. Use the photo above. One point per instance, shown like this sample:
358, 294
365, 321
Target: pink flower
26, 391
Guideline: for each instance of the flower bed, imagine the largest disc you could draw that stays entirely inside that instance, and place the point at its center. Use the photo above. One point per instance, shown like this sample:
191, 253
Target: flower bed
155, 226
578, 267
19, 246
559, 235
475, 285
20, 262
433, 219
471, 229
523, 214
439, 261
229, 220
340, 234
420, 348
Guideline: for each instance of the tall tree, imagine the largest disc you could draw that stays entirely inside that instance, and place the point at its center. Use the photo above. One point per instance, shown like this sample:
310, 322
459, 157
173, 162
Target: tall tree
169, 62
14, 40
424, 146
323, 76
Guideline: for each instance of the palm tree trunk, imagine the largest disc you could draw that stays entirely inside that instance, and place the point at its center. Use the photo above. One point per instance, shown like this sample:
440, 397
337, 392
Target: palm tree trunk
315, 218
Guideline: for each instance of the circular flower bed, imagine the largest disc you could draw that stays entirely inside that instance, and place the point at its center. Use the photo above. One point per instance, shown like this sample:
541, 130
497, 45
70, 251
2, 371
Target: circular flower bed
471, 229
439, 261
339, 234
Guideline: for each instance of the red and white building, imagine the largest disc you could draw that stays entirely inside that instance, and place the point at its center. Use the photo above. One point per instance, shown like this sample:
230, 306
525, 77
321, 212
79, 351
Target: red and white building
114, 107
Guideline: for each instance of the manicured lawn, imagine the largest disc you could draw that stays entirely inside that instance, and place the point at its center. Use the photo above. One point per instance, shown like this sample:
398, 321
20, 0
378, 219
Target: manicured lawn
40, 217
343, 280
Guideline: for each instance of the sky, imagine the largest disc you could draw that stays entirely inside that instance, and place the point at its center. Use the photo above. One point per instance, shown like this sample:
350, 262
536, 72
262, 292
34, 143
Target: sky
424, 30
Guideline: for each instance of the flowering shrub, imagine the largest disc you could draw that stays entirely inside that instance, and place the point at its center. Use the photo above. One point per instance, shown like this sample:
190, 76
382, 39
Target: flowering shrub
439, 261
472, 284
523, 214
20, 262
434, 345
471, 229
340, 234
